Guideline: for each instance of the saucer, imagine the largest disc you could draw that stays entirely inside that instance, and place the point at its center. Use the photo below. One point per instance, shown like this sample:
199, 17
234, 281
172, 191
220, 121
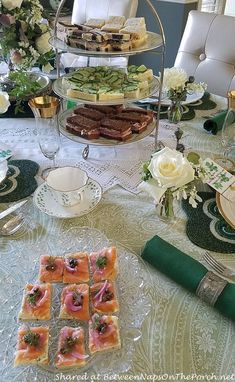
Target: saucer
165, 101
191, 98
226, 208
44, 201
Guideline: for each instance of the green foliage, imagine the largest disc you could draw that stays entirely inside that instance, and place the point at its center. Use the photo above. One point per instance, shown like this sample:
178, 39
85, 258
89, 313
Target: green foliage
146, 173
101, 262
46, 58
193, 158
31, 338
23, 85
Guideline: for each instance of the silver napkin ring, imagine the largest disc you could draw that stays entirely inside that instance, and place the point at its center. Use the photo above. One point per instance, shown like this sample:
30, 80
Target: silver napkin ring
210, 287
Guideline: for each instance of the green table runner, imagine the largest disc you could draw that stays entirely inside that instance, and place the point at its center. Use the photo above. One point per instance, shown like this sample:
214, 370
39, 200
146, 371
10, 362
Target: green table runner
205, 103
185, 271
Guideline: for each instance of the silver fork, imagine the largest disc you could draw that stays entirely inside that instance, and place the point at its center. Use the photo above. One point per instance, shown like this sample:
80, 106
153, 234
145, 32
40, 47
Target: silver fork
217, 266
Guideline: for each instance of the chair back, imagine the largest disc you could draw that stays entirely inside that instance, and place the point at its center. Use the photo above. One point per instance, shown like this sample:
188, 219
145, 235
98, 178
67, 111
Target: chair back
85, 9
207, 50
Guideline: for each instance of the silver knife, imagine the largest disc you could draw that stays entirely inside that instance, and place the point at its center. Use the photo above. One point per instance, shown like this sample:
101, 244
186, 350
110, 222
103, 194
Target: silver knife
12, 208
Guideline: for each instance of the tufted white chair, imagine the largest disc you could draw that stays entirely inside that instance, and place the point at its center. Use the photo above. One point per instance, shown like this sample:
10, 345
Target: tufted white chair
85, 9
207, 50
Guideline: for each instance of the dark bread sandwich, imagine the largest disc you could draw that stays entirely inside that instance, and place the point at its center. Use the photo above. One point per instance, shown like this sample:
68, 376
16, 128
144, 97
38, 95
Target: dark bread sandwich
138, 123
82, 126
93, 114
80, 120
114, 109
147, 113
84, 132
115, 129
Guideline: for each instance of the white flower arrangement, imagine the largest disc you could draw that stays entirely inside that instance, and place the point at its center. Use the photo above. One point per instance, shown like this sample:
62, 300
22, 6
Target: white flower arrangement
25, 34
4, 102
177, 84
169, 175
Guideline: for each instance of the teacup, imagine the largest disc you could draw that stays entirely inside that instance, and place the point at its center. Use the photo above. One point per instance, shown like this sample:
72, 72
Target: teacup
67, 185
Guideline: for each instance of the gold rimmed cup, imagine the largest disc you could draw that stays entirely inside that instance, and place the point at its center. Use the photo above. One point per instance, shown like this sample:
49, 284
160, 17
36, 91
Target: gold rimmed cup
46, 110
44, 106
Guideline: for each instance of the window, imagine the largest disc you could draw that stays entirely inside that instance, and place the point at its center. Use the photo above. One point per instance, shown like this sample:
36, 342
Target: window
215, 6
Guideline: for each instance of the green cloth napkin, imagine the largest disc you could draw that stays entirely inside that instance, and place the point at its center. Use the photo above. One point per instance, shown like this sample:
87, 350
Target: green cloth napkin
185, 271
215, 123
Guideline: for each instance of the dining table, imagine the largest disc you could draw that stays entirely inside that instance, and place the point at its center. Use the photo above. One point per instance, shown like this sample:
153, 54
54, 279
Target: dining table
167, 332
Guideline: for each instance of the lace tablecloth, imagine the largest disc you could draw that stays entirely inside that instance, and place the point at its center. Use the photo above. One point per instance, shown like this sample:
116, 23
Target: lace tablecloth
116, 164
181, 336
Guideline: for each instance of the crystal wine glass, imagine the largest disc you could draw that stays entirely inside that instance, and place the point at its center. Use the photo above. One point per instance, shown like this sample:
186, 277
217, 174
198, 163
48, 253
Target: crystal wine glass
228, 134
46, 110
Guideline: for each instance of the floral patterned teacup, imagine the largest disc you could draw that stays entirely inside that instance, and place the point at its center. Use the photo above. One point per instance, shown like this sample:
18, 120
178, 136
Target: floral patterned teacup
67, 185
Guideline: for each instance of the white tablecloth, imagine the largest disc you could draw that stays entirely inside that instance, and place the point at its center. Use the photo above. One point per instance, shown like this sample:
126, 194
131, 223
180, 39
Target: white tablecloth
181, 336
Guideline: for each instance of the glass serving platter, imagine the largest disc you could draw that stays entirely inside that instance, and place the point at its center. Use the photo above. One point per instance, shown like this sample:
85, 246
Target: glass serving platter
101, 141
43, 81
153, 41
132, 287
61, 89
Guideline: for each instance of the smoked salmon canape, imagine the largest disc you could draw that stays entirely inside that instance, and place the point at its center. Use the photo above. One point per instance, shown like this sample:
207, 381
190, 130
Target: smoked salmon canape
75, 302
36, 304
32, 346
71, 348
104, 264
76, 269
104, 297
51, 269
103, 333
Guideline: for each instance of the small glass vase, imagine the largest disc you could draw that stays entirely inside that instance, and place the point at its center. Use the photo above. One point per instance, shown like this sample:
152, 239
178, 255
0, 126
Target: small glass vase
165, 208
228, 134
6, 82
175, 111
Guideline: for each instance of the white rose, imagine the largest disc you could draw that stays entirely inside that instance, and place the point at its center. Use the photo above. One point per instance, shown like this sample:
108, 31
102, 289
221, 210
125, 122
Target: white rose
42, 43
174, 78
169, 168
4, 102
12, 4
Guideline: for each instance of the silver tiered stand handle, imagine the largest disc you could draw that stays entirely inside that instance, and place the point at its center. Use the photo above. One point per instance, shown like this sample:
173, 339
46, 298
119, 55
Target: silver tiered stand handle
162, 52
163, 47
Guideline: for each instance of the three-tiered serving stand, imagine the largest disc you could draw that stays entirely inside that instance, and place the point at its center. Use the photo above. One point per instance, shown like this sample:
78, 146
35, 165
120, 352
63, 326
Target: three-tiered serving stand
155, 43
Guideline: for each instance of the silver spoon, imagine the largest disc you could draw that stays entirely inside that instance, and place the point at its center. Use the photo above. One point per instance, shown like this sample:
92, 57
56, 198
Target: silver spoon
10, 227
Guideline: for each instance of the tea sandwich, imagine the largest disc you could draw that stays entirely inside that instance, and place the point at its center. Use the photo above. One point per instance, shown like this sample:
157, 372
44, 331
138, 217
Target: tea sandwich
104, 264
76, 268
104, 297
71, 348
94, 23
51, 269
75, 302
36, 304
113, 24
32, 346
140, 73
136, 22
104, 333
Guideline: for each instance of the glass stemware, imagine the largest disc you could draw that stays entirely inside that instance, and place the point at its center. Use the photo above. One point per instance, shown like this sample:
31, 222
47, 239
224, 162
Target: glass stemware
228, 134
46, 110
